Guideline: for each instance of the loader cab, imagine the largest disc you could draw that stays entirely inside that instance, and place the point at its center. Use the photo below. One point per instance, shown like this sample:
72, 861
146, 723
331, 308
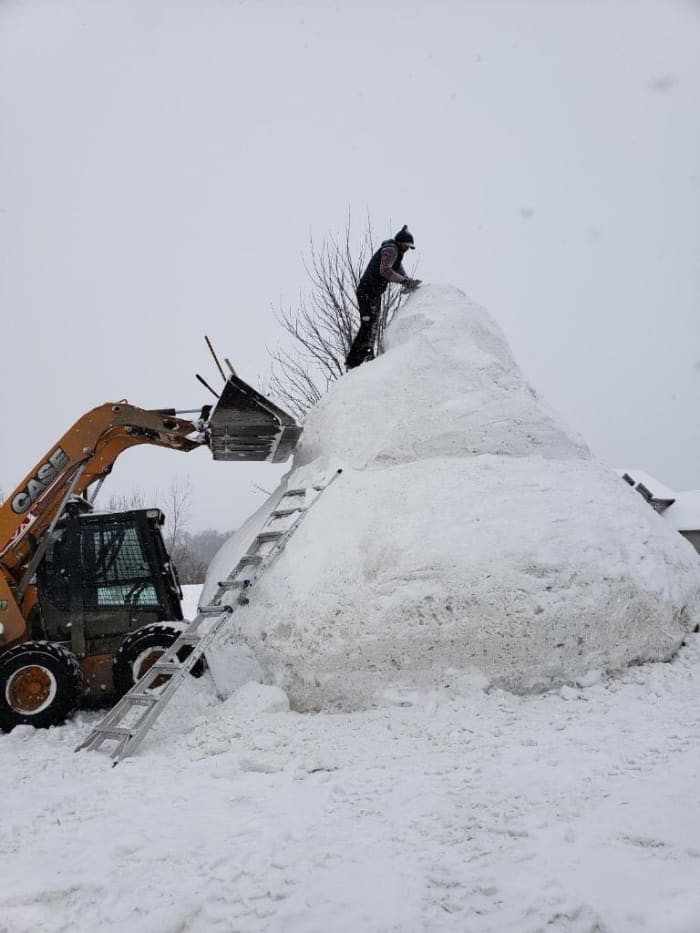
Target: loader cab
104, 576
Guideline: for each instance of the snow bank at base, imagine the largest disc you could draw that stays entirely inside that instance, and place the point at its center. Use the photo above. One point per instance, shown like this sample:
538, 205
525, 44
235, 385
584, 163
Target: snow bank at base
469, 536
448, 811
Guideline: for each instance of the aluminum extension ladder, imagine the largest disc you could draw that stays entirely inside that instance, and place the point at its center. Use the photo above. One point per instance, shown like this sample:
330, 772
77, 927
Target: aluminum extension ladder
128, 722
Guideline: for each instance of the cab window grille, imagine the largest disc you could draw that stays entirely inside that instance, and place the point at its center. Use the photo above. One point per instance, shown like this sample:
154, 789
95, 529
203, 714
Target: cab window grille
53, 573
115, 569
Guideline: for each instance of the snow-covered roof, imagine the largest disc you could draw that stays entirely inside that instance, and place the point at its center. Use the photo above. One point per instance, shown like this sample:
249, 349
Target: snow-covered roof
657, 489
683, 513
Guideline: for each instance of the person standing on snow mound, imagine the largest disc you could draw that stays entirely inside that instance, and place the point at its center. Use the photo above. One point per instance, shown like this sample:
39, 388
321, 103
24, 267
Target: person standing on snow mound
384, 267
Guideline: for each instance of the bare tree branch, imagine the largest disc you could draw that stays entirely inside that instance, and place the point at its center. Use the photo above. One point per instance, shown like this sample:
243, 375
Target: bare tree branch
325, 320
177, 510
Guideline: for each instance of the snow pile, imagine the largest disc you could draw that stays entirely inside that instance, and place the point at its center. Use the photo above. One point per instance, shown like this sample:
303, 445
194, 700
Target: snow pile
470, 538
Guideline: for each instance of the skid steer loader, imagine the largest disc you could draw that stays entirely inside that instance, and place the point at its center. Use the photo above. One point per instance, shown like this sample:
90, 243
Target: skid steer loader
88, 599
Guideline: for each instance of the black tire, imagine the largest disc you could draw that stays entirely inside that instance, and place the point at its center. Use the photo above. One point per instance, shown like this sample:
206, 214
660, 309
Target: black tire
141, 649
40, 685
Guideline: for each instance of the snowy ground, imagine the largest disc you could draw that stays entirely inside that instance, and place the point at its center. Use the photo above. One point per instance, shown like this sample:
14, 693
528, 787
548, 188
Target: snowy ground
569, 812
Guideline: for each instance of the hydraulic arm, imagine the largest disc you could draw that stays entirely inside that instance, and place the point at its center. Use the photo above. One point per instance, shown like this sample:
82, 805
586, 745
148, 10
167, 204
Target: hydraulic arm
83, 456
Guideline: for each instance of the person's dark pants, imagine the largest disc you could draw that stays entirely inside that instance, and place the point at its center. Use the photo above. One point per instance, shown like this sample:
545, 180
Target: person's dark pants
362, 348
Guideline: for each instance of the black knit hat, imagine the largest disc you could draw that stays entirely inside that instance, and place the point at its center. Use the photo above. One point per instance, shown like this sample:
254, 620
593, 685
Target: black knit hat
405, 236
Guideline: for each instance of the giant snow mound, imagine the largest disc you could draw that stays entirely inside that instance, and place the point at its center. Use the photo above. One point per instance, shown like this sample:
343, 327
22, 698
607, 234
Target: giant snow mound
468, 534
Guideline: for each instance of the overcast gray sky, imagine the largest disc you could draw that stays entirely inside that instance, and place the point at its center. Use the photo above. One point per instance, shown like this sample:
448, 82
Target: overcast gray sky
162, 165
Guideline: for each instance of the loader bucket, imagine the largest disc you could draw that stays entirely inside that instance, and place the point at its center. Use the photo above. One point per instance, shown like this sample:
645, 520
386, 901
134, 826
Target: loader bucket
244, 425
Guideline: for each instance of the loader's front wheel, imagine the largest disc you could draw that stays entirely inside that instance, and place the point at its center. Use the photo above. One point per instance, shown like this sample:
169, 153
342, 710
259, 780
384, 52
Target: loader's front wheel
40, 685
140, 651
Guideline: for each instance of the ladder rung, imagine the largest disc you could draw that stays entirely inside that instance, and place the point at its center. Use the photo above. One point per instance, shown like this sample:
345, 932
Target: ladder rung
211, 610
294, 492
147, 698
114, 732
228, 583
282, 513
165, 667
250, 559
269, 535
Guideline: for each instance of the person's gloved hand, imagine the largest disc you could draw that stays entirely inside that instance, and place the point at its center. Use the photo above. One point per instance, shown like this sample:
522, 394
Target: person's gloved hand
410, 285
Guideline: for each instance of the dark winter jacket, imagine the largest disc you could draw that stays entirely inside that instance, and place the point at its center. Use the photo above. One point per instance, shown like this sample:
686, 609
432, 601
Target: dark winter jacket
384, 267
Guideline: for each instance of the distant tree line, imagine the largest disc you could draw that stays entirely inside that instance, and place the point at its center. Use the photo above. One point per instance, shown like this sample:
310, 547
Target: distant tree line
193, 553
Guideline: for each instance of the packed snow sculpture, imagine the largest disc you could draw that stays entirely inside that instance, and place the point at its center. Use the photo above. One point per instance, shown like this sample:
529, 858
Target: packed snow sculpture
469, 535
